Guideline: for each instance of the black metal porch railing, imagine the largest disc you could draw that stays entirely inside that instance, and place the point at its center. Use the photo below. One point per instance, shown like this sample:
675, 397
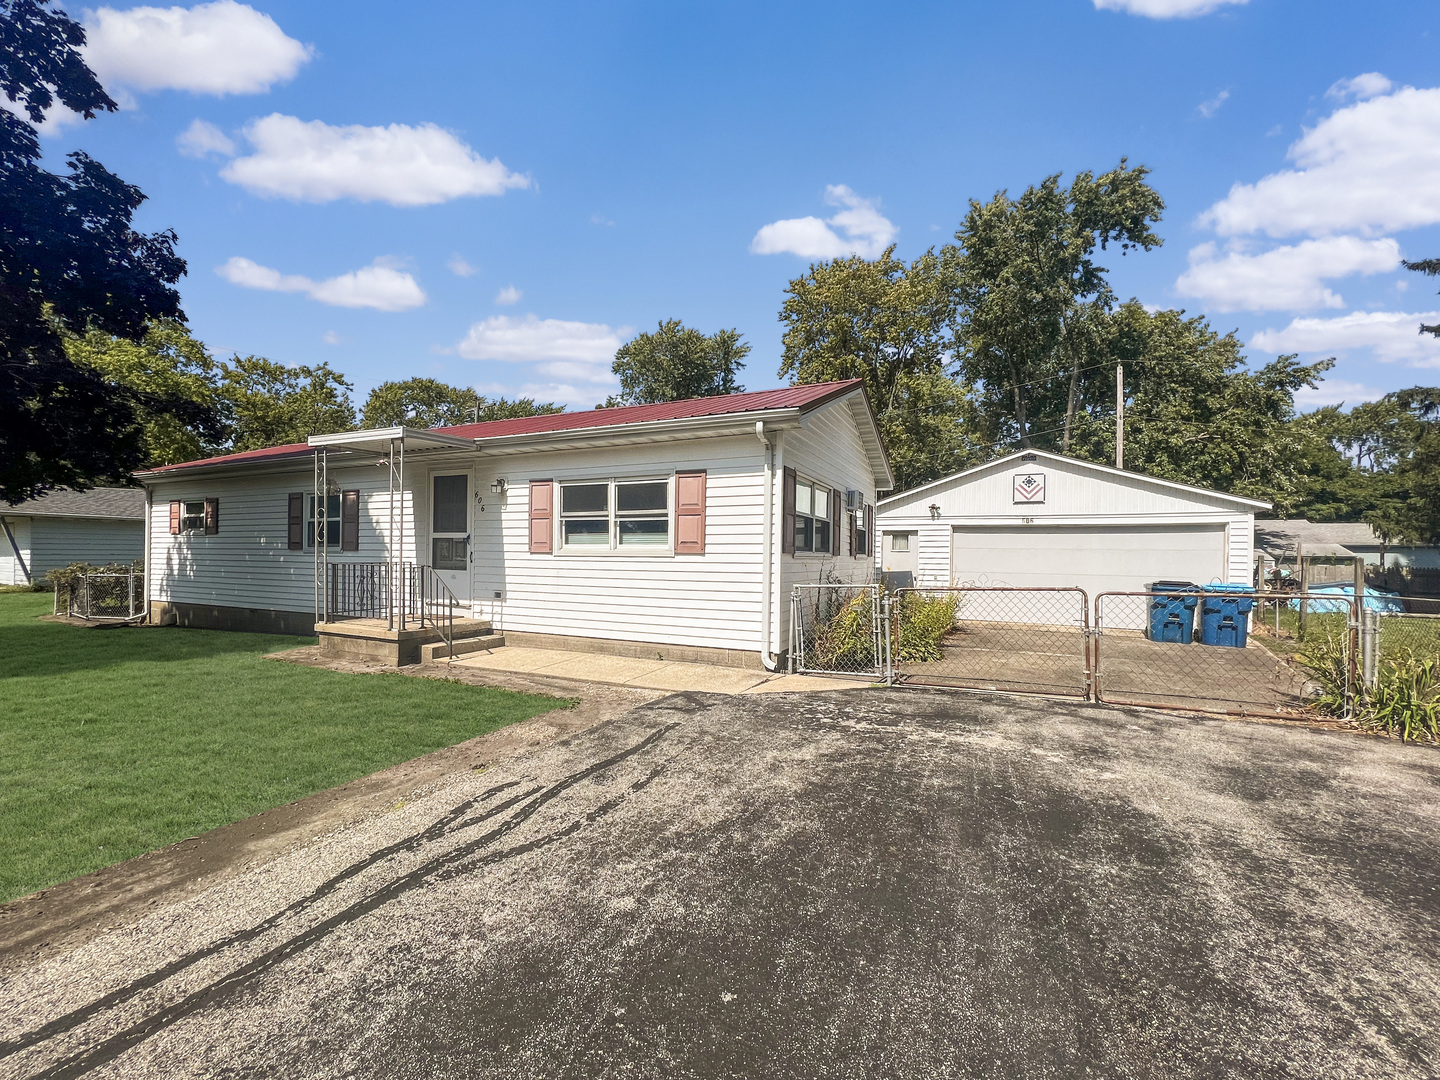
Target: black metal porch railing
408, 593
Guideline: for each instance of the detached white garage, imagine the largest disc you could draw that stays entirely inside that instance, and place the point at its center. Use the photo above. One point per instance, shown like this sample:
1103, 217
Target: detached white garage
1035, 519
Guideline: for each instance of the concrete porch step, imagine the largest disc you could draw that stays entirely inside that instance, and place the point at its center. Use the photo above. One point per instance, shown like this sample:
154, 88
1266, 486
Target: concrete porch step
438, 651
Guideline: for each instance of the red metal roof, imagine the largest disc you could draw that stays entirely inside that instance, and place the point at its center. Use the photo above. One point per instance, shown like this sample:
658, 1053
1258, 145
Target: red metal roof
803, 398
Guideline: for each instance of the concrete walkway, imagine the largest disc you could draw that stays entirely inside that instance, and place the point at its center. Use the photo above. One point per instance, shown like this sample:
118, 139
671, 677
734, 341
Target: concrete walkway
650, 674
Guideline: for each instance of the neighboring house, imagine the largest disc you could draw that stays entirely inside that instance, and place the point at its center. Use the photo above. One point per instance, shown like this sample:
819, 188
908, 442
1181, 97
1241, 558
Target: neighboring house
99, 526
682, 525
1284, 539
1035, 519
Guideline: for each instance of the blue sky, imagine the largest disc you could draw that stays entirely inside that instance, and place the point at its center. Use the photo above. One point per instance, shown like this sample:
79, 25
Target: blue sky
499, 194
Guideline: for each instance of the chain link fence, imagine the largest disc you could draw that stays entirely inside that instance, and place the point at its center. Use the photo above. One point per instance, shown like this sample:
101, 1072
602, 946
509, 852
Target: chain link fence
1017, 640
1209, 651
839, 629
1414, 630
102, 596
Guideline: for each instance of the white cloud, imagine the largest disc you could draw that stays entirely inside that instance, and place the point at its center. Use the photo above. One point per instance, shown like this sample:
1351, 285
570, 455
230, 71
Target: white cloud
399, 164
458, 266
381, 285
1335, 392
330, 337
1389, 335
1361, 87
531, 340
202, 138
508, 295
1286, 278
1368, 167
1211, 107
218, 48
867, 231
1164, 9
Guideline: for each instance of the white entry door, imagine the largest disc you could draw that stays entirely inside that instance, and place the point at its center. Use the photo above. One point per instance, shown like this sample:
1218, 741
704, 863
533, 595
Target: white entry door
450, 531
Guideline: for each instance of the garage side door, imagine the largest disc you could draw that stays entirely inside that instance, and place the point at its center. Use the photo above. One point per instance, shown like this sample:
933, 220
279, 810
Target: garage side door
1096, 558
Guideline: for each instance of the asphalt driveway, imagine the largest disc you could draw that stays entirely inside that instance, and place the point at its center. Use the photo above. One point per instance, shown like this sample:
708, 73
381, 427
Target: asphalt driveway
890, 883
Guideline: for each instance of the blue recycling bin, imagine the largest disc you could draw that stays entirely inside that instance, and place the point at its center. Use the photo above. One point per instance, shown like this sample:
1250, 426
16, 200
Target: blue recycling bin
1225, 615
1172, 614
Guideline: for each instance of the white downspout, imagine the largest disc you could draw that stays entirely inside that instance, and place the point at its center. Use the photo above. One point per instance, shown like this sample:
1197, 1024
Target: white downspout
766, 654
149, 509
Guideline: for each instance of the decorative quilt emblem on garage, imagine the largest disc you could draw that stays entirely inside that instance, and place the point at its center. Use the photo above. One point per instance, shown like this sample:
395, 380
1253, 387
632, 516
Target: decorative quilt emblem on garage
1030, 487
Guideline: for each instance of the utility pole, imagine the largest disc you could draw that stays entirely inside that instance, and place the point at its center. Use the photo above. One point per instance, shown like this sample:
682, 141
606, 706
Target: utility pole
1119, 416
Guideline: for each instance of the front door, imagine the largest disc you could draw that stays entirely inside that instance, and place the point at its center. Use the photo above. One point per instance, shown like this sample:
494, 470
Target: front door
450, 532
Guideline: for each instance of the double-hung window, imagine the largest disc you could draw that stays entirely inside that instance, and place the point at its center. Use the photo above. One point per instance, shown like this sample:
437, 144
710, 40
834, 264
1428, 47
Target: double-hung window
812, 518
611, 515
332, 522
192, 515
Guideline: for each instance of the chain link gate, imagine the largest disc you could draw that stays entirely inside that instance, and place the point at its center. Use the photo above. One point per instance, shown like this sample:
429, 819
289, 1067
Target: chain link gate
1216, 652
839, 629
1016, 640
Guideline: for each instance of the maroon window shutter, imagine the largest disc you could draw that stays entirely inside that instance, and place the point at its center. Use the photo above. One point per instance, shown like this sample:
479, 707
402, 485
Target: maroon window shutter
690, 513
350, 521
787, 513
869, 530
175, 517
212, 516
295, 521
542, 502
835, 513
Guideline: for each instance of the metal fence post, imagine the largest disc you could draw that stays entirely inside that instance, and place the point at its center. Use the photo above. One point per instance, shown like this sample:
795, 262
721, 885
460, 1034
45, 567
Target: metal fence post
1369, 647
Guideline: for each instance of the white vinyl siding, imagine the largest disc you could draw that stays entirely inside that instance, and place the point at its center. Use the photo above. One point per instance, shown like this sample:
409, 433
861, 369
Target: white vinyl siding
827, 450
57, 542
248, 563
710, 600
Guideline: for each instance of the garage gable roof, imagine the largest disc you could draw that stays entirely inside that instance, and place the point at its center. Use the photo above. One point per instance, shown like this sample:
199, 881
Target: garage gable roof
1091, 466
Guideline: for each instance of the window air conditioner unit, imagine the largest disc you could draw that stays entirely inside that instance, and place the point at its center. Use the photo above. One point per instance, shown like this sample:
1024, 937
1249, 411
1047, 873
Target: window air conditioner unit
852, 500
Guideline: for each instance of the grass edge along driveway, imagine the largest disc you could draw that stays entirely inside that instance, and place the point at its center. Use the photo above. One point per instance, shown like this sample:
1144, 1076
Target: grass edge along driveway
115, 742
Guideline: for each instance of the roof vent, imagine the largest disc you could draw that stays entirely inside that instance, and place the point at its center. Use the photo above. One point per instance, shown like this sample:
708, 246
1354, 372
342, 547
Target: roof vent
1028, 457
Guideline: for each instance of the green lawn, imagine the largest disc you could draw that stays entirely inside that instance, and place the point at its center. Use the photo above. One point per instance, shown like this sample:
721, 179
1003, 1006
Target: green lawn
115, 742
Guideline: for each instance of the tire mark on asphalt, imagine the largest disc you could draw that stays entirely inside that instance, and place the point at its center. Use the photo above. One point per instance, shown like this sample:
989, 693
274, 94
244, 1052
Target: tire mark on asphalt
434, 831
442, 867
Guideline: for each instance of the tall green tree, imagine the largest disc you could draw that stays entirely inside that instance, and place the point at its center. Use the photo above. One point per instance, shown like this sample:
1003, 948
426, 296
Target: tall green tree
888, 323
271, 404
1032, 301
675, 362
1408, 511
167, 364
70, 261
428, 403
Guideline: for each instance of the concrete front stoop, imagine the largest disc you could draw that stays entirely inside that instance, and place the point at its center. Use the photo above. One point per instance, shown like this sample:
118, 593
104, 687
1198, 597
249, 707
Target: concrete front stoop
371, 640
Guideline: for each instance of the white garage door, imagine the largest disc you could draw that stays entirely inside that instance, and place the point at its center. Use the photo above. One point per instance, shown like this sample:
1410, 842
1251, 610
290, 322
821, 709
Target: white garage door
1104, 558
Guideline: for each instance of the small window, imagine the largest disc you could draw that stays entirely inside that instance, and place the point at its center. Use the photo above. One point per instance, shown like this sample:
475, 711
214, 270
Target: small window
332, 522
812, 518
192, 516
450, 553
899, 541
629, 514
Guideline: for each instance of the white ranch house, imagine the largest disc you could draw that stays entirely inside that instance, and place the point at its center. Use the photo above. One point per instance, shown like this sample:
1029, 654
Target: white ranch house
675, 529
1040, 520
